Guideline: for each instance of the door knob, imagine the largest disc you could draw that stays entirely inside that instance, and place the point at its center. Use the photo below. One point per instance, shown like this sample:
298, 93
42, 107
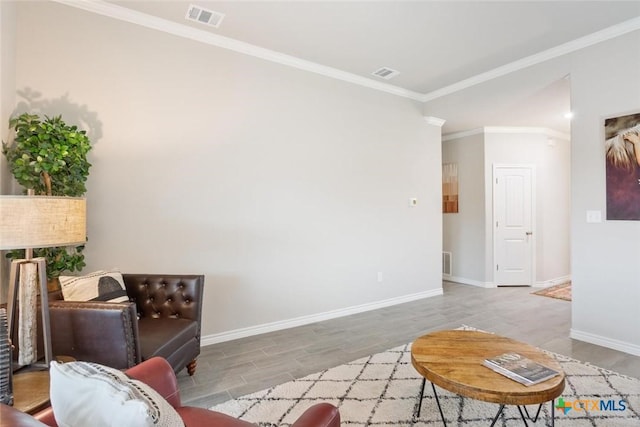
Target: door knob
529, 233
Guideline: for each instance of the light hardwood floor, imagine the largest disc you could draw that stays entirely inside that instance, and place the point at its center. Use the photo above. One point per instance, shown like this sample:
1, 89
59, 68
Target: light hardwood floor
235, 368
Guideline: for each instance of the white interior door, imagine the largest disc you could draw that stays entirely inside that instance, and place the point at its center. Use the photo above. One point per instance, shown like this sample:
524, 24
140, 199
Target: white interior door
514, 241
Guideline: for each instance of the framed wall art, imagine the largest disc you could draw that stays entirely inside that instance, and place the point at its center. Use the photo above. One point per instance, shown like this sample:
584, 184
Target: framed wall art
622, 156
450, 188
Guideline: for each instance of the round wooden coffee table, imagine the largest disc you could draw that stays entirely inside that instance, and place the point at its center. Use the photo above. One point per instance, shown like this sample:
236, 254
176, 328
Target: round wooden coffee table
453, 359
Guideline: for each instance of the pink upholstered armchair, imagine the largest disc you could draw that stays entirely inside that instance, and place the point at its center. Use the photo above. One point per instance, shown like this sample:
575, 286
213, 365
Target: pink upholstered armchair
157, 373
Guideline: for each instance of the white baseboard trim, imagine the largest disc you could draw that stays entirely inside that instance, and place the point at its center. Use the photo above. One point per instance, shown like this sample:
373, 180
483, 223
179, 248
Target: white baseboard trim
552, 282
605, 342
465, 281
305, 320
471, 282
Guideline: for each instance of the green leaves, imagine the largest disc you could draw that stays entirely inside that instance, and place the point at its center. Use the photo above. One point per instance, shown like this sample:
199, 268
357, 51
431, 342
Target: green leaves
50, 157
59, 259
52, 147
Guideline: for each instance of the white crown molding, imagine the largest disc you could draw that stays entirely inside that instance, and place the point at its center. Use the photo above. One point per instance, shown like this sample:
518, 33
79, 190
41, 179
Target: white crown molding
121, 13
508, 129
530, 130
124, 14
435, 121
463, 134
563, 49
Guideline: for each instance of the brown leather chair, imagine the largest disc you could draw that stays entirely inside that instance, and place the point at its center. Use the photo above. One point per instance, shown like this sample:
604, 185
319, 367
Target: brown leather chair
157, 373
163, 319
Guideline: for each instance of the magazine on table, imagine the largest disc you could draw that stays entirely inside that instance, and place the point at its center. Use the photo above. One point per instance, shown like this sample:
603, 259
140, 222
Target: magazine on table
519, 368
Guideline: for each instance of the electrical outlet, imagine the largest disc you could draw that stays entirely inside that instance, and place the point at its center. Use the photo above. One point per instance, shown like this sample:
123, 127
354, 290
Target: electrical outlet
379, 276
413, 202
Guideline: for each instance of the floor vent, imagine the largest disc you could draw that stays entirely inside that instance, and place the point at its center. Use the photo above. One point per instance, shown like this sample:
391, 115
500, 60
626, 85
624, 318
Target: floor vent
204, 16
446, 264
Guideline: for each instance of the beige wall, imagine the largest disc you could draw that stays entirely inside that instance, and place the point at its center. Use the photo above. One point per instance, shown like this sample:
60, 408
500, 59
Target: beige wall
463, 232
7, 85
604, 256
552, 198
288, 190
469, 233
7, 103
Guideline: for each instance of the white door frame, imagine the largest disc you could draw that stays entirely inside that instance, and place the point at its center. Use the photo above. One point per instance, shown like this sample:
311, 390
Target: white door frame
532, 167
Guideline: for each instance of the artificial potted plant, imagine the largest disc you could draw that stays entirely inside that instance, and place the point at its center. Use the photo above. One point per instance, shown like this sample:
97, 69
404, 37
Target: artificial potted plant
50, 157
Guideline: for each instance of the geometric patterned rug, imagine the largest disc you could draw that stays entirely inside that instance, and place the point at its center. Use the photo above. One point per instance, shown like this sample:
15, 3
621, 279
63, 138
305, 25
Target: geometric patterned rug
561, 291
383, 390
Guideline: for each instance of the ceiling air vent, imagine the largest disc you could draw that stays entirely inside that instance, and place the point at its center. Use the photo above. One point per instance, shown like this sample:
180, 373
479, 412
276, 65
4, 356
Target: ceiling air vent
385, 73
204, 16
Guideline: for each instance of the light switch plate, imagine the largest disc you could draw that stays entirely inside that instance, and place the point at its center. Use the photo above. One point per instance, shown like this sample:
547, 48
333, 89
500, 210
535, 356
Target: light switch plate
594, 216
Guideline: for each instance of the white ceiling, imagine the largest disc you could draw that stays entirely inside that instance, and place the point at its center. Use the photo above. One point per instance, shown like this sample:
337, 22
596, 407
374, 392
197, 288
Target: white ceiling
434, 44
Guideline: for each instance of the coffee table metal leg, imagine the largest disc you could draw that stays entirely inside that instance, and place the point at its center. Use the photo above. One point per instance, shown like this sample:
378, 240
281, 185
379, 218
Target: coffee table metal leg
553, 415
524, 420
424, 380
495, 419
526, 411
497, 415
438, 402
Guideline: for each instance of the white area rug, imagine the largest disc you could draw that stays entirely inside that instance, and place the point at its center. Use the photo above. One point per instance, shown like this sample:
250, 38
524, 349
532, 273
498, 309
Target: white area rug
383, 390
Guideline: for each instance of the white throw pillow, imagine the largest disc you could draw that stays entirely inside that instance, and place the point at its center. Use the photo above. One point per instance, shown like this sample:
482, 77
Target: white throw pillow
97, 286
84, 393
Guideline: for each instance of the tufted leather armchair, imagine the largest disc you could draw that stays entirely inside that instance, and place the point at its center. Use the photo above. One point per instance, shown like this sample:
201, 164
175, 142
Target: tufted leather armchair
163, 318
